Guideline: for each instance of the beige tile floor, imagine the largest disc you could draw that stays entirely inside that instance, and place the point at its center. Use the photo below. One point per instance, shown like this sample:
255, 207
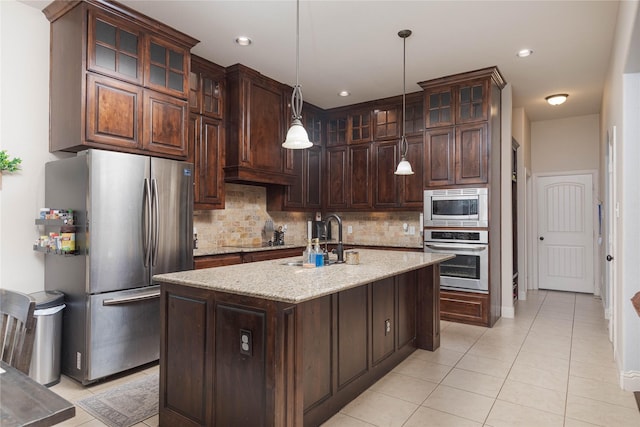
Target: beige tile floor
552, 365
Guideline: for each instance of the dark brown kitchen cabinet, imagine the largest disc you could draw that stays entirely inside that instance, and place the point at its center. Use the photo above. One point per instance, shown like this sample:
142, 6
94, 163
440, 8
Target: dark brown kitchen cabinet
256, 124
106, 89
305, 193
336, 129
387, 122
397, 191
206, 88
360, 181
206, 139
460, 113
336, 178
359, 127
456, 155
114, 47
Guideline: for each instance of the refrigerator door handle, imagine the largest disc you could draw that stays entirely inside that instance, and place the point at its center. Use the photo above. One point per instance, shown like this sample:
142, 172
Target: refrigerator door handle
131, 299
156, 215
146, 220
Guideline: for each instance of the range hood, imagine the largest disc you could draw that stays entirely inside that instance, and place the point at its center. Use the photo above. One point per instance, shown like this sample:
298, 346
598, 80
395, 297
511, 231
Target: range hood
252, 176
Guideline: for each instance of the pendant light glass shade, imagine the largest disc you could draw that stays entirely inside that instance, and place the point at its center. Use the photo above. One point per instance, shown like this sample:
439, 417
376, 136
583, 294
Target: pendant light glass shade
404, 167
297, 137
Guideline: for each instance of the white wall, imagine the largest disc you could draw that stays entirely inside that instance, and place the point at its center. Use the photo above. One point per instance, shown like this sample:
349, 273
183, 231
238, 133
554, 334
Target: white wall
562, 145
620, 108
506, 252
24, 133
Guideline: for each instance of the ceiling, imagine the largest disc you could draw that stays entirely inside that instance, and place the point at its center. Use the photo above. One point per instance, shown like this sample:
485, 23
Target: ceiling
354, 46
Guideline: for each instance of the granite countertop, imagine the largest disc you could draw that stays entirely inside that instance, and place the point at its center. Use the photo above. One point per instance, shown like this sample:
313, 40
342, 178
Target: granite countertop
239, 249
277, 281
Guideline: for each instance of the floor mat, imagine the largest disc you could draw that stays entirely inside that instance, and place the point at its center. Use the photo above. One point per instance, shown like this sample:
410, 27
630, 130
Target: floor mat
126, 404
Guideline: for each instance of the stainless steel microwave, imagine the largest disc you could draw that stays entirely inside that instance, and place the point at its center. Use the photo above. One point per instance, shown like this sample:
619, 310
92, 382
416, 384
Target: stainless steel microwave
456, 207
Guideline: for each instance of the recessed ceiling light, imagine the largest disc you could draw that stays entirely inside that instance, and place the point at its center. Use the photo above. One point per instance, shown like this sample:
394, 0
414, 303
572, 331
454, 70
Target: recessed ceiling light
557, 99
523, 53
243, 40
344, 93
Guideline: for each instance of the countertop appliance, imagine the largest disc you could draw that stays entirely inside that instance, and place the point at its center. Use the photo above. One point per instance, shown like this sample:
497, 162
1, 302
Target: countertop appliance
469, 270
134, 219
456, 207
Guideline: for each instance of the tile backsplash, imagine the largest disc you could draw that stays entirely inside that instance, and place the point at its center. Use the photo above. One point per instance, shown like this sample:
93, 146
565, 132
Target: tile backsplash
242, 223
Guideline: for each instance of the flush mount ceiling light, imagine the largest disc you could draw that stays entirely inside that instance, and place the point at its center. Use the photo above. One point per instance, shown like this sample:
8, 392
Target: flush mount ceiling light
297, 137
243, 40
523, 53
404, 167
557, 99
344, 93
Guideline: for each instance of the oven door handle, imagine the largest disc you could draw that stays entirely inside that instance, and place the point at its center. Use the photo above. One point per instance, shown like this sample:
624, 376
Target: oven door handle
478, 248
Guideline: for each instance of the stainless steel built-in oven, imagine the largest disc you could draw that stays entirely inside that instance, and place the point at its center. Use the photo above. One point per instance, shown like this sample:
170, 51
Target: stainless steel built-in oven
469, 270
456, 207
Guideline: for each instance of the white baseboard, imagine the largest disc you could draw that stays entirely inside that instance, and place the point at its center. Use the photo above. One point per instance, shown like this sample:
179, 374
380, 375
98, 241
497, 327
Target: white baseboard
630, 380
508, 312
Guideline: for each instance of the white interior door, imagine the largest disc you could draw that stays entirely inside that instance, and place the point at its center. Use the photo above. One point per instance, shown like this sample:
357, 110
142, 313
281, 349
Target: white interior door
565, 233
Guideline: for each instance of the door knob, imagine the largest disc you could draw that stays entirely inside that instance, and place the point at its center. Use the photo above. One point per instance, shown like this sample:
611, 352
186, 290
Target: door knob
541, 237
609, 258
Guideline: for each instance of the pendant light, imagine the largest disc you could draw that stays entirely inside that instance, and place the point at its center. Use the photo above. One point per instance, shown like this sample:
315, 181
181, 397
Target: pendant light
297, 137
404, 167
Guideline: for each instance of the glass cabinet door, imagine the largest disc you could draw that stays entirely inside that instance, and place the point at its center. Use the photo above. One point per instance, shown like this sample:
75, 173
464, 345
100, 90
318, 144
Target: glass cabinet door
168, 68
114, 48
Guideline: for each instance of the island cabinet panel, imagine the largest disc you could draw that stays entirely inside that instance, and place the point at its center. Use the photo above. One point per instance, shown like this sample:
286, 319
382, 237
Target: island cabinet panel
240, 366
185, 366
318, 348
383, 319
302, 362
406, 319
352, 335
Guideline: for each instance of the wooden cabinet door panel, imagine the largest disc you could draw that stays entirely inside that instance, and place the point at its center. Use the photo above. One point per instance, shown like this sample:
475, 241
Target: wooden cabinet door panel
336, 177
382, 319
336, 130
263, 142
313, 178
318, 351
185, 366
387, 123
413, 185
359, 127
352, 335
165, 128
471, 154
360, 183
386, 186
439, 160
114, 112
294, 164
243, 405
210, 163
406, 317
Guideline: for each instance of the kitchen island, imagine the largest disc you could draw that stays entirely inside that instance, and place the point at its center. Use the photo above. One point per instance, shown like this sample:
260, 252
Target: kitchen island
274, 344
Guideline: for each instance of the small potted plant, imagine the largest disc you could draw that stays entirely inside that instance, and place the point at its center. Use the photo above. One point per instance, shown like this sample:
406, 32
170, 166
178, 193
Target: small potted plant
7, 164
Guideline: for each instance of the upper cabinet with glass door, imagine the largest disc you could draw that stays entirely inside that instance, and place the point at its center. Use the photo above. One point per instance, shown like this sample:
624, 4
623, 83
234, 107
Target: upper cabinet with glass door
167, 69
114, 47
120, 49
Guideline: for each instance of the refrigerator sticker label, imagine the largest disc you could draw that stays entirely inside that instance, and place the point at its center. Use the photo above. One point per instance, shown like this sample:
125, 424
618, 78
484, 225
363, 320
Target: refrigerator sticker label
187, 172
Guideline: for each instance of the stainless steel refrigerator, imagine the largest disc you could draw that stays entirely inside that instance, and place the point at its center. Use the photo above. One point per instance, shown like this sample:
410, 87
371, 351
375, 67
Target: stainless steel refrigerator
134, 219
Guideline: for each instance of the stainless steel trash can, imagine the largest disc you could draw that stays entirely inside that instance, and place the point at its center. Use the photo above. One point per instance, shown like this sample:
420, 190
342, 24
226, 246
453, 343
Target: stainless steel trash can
45, 361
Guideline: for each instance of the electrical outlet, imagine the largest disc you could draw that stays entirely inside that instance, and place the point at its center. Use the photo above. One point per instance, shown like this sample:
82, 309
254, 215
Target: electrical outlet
412, 230
387, 327
349, 229
246, 343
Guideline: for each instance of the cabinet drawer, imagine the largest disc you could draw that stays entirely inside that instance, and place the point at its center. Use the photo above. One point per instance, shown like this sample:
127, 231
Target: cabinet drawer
465, 307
